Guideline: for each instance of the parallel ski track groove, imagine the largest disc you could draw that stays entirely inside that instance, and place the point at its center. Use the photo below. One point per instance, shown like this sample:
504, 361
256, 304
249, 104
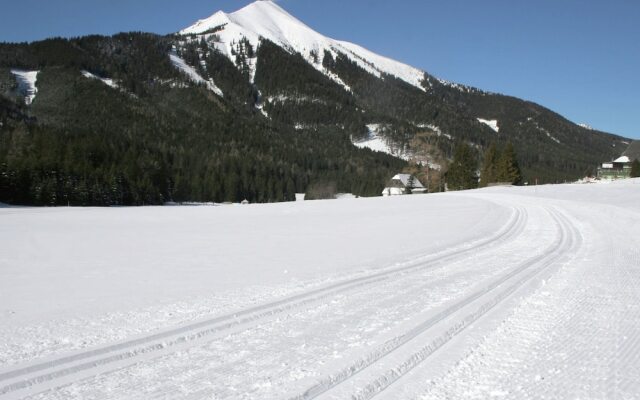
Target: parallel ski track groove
64, 366
574, 241
534, 265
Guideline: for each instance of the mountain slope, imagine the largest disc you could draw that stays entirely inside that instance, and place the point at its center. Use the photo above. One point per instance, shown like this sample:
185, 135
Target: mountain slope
157, 136
252, 104
267, 20
420, 112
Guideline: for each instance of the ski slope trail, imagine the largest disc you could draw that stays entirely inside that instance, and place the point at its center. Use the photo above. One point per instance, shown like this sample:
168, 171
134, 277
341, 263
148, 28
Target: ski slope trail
538, 298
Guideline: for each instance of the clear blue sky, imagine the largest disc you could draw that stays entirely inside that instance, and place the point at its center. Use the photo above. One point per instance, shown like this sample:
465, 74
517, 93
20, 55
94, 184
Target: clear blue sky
580, 58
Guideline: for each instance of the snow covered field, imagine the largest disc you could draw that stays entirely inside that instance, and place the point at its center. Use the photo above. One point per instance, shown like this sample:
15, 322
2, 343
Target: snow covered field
502, 292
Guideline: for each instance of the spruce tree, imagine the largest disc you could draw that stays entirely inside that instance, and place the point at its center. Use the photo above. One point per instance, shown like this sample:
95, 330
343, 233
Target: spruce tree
410, 184
489, 165
635, 169
462, 172
508, 168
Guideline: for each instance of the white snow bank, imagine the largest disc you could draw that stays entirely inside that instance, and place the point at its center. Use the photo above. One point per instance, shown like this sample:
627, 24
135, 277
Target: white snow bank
190, 72
491, 123
26, 84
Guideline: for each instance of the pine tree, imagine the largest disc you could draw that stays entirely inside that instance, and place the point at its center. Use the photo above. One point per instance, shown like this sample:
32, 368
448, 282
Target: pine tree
508, 169
489, 165
462, 172
635, 169
410, 184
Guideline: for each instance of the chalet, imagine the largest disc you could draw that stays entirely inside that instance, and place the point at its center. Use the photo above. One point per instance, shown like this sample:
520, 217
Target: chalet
620, 168
403, 184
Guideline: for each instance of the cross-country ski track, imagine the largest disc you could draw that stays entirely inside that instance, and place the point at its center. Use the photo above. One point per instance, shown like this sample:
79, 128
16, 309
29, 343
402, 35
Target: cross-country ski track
538, 298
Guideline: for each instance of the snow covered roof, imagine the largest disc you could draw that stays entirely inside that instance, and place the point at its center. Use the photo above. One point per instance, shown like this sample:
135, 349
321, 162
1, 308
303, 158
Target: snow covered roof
404, 178
623, 159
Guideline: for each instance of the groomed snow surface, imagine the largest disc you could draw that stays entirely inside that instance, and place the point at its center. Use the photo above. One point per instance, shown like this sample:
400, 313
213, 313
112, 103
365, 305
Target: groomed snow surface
516, 293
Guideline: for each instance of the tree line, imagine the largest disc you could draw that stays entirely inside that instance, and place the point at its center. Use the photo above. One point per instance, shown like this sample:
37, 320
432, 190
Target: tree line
499, 165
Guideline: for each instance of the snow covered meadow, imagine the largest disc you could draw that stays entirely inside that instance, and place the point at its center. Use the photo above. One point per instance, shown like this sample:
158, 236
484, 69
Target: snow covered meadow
503, 292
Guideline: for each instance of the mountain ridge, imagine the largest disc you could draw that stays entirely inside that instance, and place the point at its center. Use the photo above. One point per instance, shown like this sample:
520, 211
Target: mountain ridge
265, 19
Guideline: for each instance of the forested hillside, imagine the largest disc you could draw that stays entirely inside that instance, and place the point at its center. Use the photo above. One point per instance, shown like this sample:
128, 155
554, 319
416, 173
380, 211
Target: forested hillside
139, 118
156, 138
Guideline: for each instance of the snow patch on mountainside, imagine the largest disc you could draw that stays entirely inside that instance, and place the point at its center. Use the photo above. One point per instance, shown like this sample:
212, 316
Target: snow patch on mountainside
106, 81
586, 126
460, 87
378, 65
265, 19
332, 76
26, 84
491, 123
436, 129
542, 129
552, 137
377, 142
546, 132
190, 72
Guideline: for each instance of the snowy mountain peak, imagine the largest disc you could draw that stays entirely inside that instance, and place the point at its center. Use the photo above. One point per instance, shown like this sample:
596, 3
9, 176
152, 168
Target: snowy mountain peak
267, 14
265, 19
203, 25
261, 18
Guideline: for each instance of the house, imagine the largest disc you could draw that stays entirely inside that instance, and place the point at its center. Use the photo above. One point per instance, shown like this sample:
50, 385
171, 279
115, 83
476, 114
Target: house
403, 184
620, 168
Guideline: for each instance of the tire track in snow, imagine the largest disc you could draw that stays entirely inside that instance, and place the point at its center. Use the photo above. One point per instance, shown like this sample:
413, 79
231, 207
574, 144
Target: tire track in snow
524, 272
47, 373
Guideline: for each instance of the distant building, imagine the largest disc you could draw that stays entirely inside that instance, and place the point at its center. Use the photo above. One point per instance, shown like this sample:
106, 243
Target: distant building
620, 168
403, 184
